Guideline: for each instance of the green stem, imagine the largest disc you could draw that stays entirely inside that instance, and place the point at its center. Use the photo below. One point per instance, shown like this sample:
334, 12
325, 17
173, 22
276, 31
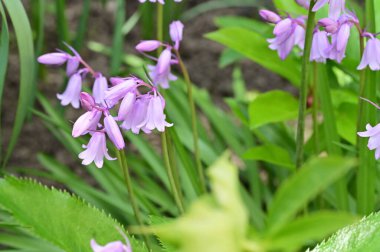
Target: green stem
315, 108
122, 159
193, 121
160, 24
169, 170
304, 85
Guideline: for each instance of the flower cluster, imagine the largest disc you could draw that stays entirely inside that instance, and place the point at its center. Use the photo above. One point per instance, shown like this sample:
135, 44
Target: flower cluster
137, 110
161, 72
330, 38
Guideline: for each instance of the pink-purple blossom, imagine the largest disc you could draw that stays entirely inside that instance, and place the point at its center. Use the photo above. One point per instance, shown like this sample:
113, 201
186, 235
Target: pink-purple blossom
336, 7
270, 16
113, 132
99, 89
374, 138
371, 54
96, 150
304, 3
72, 92
319, 47
86, 122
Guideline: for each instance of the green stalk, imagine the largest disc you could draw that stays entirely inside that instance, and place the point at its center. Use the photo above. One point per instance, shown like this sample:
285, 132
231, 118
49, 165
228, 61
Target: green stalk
315, 108
304, 86
169, 170
366, 177
122, 159
193, 121
160, 24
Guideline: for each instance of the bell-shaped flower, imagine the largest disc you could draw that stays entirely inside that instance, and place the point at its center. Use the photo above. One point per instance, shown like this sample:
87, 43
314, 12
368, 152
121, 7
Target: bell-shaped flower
319, 47
371, 55
330, 25
72, 65
289, 33
337, 50
56, 58
113, 132
96, 150
374, 138
336, 7
270, 16
116, 246
87, 101
72, 92
134, 121
161, 73
126, 106
86, 122
148, 45
99, 89
176, 33
155, 117
117, 92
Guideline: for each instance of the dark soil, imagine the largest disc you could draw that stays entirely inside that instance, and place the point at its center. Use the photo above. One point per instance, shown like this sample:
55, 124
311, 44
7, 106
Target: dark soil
200, 55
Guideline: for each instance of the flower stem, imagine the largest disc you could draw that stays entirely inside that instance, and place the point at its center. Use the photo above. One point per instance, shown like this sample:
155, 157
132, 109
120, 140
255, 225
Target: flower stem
193, 121
122, 159
303, 88
169, 169
160, 24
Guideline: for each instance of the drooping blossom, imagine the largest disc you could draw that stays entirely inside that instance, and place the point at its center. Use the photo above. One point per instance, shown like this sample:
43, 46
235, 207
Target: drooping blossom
72, 92
86, 122
270, 16
371, 54
320, 45
99, 89
96, 150
339, 39
336, 7
289, 32
158, 1
113, 132
330, 25
161, 72
304, 3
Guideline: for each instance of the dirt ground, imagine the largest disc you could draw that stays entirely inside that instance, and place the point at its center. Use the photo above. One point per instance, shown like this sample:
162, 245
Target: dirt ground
200, 55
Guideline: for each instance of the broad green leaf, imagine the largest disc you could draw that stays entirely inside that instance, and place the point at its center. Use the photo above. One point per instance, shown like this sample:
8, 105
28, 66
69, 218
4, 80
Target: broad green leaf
315, 176
271, 154
216, 222
58, 217
246, 23
24, 38
272, 106
312, 227
360, 237
255, 47
229, 57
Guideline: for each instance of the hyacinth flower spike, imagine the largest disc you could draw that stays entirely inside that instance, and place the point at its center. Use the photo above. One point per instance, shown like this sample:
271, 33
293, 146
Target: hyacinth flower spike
371, 54
373, 133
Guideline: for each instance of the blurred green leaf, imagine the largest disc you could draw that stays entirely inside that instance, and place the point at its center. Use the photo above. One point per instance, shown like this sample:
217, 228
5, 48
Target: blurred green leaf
255, 47
359, 237
312, 227
271, 154
272, 106
229, 57
316, 175
27, 62
246, 23
57, 216
118, 38
346, 122
289, 6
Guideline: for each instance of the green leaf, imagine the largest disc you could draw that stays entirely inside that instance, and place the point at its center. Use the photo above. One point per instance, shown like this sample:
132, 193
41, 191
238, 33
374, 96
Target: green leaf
255, 47
243, 22
315, 176
289, 6
312, 227
117, 40
359, 237
57, 216
272, 154
346, 122
24, 38
272, 106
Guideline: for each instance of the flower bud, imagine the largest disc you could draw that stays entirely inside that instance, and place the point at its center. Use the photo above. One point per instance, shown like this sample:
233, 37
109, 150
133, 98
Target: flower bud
329, 24
176, 32
270, 16
53, 58
148, 45
86, 101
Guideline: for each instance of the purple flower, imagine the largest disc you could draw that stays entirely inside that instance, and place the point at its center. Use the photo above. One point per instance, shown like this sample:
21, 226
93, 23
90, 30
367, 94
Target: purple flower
176, 33
371, 55
337, 50
114, 94
57, 58
86, 122
113, 132
137, 116
126, 106
148, 45
72, 92
99, 89
72, 65
116, 246
319, 47
155, 118
330, 25
87, 101
161, 73
96, 150
336, 7
374, 138
269, 16
289, 32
